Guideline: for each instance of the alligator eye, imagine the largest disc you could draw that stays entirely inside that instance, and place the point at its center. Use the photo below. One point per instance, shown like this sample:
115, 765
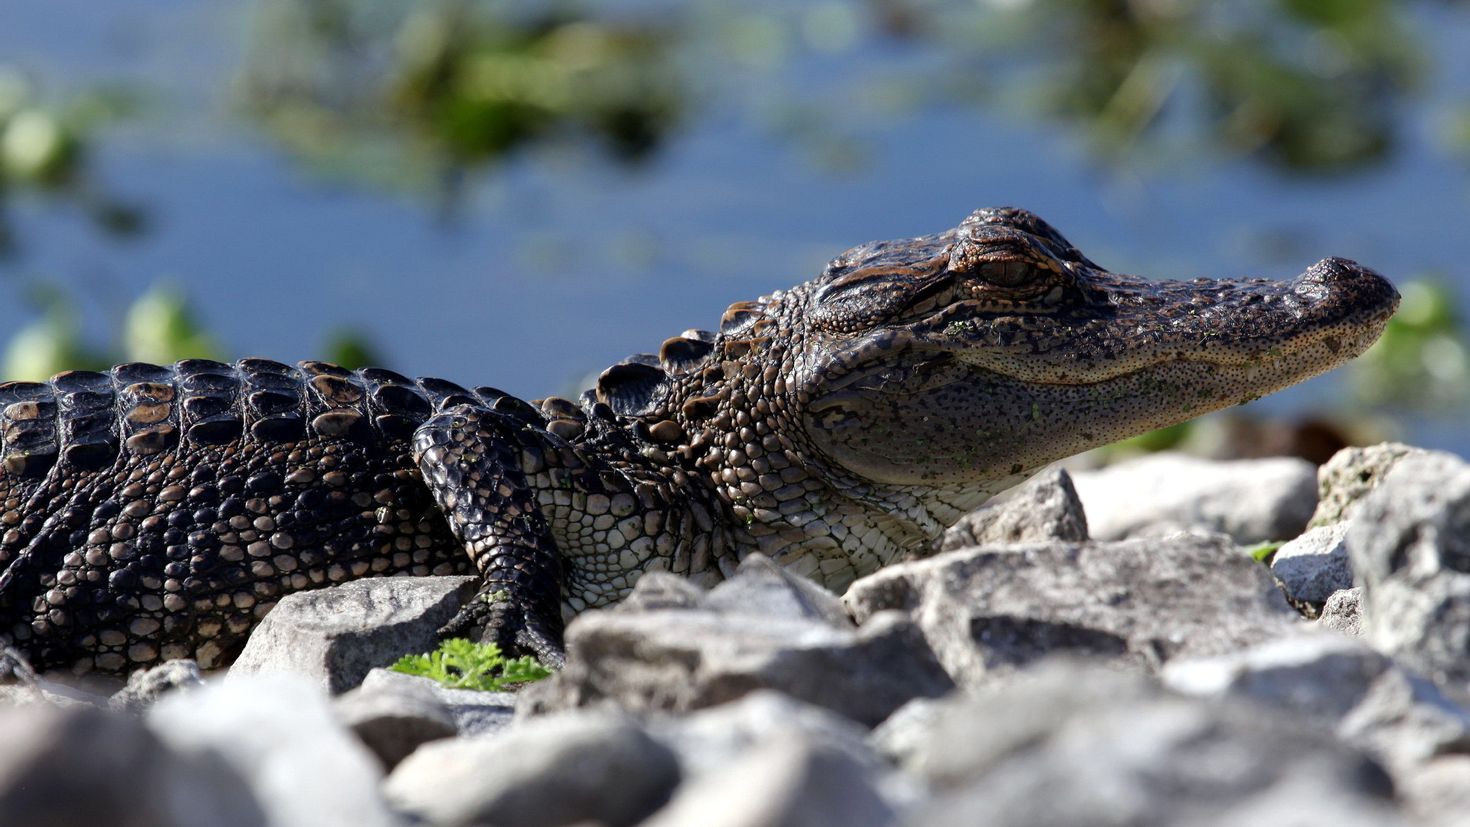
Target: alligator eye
1007, 273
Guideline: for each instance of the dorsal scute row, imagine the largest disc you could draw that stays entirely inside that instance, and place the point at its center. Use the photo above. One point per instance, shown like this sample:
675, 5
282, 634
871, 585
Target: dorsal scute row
88, 418
640, 384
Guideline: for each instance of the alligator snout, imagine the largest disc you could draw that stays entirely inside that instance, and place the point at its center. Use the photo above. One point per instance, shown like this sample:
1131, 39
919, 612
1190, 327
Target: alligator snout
1343, 288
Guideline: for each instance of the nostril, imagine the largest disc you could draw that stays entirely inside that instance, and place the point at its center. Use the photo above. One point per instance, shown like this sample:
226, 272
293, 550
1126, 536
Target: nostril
1347, 281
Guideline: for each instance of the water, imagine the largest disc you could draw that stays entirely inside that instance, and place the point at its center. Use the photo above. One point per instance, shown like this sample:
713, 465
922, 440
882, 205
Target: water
558, 263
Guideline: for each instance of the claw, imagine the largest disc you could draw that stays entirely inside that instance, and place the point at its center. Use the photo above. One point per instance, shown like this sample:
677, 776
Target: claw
498, 618
547, 648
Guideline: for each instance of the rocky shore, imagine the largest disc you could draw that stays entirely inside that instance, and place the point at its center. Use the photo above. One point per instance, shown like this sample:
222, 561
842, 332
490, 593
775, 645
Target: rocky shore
1114, 649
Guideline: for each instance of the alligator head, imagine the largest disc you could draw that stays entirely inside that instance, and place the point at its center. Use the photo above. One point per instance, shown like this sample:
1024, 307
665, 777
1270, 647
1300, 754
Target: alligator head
995, 348
914, 378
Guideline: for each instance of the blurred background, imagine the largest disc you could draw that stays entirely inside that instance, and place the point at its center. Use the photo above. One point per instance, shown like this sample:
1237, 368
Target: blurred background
519, 194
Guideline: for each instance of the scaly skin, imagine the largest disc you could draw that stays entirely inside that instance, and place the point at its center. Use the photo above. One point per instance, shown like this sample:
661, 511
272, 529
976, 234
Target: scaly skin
150, 512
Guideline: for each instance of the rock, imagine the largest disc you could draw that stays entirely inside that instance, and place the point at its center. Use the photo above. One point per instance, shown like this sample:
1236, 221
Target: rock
1340, 685
42, 689
1253, 501
678, 661
762, 588
992, 610
1342, 612
1075, 744
1314, 566
661, 590
1046, 508
558, 770
1438, 793
765, 628
1410, 549
80, 766
1348, 477
784, 782
907, 732
146, 686
473, 712
335, 635
278, 733
394, 721
707, 740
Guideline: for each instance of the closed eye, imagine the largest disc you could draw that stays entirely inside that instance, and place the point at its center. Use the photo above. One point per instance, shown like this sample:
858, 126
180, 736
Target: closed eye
1007, 272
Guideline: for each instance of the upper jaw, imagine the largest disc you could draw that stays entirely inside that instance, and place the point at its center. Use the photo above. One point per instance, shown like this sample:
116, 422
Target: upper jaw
1120, 324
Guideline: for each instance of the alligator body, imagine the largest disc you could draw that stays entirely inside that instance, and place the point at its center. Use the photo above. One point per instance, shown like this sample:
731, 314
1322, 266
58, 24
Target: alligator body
150, 512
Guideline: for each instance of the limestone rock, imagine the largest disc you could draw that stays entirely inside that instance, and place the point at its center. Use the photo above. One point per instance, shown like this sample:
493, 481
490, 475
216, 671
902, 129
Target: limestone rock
1314, 566
1342, 612
989, 611
1410, 547
762, 588
1046, 508
1253, 501
763, 629
473, 712
394, 722
1077, 744
558, 770
708, 739
146, 686
336, 635
1340, 685
784, 782
279, 735
80, 766
1344, 480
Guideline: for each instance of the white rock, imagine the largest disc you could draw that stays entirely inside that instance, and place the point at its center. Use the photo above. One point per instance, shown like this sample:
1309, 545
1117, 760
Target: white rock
278, 732
1253, 501
1315, 565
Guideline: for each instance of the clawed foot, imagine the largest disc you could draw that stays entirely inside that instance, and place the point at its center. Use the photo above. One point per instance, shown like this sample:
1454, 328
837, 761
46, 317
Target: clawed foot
496, 617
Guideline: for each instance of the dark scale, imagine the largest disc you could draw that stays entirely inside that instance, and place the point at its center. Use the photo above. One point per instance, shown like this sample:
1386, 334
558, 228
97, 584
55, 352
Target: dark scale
154, 512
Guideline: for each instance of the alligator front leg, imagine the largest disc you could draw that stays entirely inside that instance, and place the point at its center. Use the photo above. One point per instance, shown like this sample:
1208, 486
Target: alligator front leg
471, 459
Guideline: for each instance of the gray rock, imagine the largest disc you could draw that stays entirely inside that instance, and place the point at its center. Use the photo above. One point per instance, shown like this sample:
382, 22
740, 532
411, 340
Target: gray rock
1438, 793
1071, 744
708, 739
558, 770
1347, 478
278, 733
394, 721
473, 712
1046, 508
146, 686
1253, 501
989, 611
1410, 547
760, 587
661, 590
43, 689
674, 660
906, 734
80, 766
1314, 566
335, 635
784, 782
1340, 685
1342, 612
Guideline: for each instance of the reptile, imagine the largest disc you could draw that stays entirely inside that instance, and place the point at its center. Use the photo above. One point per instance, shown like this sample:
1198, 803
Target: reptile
157, 512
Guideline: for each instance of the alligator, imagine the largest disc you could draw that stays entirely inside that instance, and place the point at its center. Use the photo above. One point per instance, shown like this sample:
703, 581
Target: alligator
158, 512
